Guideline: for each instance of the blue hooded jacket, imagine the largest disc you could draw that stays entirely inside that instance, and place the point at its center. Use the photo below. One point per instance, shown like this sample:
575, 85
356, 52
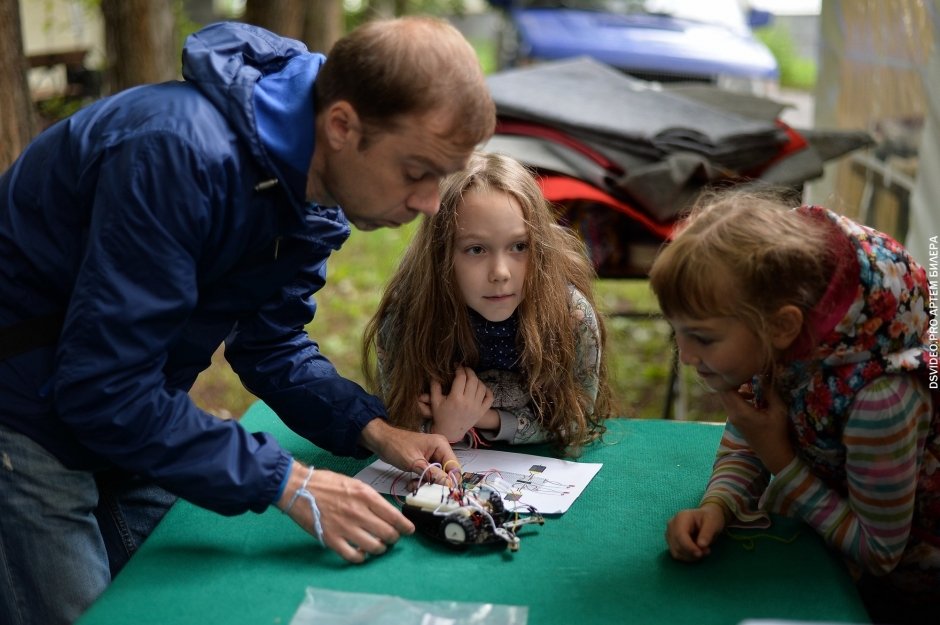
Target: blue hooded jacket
159, 222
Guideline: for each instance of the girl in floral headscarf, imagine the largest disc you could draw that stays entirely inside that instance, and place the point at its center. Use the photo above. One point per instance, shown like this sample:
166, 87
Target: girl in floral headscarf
813, 330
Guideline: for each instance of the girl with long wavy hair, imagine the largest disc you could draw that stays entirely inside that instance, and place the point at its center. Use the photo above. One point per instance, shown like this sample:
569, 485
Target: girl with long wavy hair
488, 330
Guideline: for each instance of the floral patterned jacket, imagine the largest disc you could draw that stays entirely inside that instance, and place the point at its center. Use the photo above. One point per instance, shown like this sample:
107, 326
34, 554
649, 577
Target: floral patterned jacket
862, 419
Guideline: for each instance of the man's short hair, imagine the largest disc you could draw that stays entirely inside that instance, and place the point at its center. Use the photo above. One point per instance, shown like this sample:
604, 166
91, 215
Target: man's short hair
388, 69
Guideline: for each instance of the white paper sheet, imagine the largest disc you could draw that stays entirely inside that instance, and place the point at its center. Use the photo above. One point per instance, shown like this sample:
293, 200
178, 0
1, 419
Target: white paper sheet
547, 484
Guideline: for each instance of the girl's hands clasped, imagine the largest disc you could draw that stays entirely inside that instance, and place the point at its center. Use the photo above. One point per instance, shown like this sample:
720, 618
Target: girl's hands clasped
461, 409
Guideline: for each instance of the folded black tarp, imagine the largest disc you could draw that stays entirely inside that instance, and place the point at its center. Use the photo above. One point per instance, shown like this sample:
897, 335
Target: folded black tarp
624, 157
598, 103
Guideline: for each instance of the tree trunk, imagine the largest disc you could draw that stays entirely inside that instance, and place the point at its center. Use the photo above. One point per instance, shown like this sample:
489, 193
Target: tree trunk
141, 42
17, 117
318, 23
284, 17
324, 24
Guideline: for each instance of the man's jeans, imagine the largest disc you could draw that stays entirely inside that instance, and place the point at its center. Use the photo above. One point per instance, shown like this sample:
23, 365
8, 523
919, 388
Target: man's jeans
64, 534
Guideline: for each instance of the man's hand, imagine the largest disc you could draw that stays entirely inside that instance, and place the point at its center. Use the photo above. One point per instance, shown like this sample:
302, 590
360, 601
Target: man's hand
355, 518
463, 408
690, 533
409, 451
764, 429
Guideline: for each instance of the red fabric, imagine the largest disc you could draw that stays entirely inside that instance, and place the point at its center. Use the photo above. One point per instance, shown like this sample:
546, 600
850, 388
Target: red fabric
840, 294
564, 189
795, 143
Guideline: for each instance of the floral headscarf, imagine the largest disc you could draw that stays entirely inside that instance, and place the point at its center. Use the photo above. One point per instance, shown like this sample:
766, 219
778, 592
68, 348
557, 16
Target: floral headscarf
872, 321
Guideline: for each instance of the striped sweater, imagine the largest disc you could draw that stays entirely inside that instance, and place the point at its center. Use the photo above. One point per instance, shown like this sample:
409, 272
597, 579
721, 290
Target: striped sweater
870, 517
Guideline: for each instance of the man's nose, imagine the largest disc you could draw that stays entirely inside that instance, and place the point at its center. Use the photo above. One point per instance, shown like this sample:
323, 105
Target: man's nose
426, 200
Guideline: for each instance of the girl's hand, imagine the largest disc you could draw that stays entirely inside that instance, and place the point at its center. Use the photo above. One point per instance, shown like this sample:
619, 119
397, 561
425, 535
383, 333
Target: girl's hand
424, 405
764, 429
462, 408
690, 533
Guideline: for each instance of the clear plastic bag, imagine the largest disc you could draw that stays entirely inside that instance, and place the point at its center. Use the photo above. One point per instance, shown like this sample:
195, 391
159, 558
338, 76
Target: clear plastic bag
331, 607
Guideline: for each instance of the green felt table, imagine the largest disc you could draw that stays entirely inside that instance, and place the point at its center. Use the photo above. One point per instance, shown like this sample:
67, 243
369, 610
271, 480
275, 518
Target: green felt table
603, 561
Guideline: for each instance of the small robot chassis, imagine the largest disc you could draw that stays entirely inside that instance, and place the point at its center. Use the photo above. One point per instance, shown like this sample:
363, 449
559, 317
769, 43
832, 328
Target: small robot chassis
467, 516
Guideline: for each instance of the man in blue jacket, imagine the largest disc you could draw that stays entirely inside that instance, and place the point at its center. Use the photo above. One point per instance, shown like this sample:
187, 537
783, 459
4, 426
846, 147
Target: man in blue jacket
143, 231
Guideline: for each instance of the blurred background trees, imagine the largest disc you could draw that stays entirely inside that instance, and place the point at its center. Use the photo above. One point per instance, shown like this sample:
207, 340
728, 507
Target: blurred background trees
318, 23
140, 38
140, 42
17, 119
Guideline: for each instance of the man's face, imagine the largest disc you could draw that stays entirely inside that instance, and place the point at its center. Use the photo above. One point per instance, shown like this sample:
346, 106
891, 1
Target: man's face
395, 178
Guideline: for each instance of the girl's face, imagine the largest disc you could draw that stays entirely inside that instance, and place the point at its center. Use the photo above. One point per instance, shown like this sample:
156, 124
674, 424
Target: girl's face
491, 253
724, 351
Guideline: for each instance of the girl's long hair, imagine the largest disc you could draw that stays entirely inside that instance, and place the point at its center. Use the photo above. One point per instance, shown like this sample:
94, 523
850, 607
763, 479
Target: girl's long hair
422, 327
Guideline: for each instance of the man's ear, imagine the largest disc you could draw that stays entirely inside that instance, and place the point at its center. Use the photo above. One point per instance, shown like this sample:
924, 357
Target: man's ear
341, 125
785, 326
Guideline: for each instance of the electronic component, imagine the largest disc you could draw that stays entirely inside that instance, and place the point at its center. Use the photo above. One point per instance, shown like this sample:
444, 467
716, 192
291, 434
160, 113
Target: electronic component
467, 515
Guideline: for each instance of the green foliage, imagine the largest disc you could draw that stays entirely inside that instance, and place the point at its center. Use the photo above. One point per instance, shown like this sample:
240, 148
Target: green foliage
185, 26
796, 72
641, 354
486, 51
53, 109
359, 11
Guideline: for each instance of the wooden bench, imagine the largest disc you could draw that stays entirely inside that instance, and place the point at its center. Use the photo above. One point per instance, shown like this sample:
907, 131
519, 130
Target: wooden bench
80, 81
